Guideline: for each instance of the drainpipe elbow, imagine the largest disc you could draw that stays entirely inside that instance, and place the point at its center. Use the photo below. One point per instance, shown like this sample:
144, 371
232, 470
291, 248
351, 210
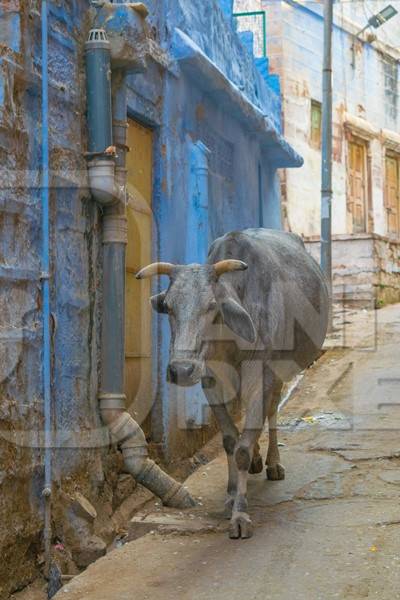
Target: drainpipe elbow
129, 436
102, 181
148, 473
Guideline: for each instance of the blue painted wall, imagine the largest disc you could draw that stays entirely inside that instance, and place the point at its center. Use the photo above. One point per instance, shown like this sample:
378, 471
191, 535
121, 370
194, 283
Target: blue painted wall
188, 113
227, 7
184, 113
243, 188
74, 275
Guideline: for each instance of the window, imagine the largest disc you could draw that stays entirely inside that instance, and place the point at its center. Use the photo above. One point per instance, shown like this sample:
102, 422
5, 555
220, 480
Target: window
391, 80
392, 194
316, 120
357, 191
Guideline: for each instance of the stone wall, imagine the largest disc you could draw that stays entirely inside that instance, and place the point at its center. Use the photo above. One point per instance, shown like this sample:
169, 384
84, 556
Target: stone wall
387, 258
366, 269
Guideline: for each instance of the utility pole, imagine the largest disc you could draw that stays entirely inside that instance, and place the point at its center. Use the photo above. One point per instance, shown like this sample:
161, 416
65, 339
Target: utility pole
326, 163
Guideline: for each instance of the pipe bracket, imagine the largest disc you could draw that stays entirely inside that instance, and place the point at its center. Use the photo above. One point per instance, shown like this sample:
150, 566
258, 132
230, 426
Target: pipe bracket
46, 493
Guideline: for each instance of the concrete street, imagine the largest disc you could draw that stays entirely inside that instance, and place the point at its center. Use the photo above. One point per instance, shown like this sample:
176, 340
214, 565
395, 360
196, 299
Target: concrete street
330, 530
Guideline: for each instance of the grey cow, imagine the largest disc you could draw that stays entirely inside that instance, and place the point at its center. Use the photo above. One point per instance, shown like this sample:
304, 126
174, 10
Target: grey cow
244, 323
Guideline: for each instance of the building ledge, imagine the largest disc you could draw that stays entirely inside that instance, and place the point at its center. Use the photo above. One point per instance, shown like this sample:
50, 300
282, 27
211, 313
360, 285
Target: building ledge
352, 237
361, 126
195, 64
366, 130
391, 139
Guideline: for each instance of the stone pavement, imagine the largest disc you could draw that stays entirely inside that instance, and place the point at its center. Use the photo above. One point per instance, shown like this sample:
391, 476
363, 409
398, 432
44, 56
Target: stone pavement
330, 530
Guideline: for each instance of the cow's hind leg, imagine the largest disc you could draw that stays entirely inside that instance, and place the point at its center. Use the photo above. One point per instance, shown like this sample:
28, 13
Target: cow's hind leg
275, 471
257, 461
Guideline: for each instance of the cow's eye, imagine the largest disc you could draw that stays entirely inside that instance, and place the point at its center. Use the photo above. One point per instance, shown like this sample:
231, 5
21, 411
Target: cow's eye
212, 305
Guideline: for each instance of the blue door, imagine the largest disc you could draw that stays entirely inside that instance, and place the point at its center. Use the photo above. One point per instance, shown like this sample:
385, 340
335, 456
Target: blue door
197, 241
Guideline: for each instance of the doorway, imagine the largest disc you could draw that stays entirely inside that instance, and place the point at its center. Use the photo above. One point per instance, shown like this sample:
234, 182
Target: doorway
357, 197
138, 323
392, 194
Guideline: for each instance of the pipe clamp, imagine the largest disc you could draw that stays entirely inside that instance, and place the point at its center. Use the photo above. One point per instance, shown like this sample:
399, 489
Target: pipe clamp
112, 401
124, 429
115, 229
174, 489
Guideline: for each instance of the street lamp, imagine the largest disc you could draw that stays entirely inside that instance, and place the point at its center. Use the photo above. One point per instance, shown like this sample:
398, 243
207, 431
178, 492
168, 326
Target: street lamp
379, 18
375, 21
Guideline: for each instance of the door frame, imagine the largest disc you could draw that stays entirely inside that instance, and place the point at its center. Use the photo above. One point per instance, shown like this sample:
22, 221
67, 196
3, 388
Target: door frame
389, 153
154, 128
356, 138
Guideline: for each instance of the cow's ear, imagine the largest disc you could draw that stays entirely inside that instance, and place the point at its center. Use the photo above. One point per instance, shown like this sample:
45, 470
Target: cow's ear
158, 303
238, 319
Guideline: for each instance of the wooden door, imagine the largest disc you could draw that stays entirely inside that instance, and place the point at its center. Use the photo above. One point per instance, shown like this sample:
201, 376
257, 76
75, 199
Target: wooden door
138, 345
357, 187
392, 194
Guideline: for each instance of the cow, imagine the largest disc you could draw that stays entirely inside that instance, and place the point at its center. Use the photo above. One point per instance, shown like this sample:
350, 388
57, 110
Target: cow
243, 324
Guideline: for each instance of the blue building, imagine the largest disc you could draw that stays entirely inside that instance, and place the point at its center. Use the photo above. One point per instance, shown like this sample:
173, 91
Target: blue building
205, 144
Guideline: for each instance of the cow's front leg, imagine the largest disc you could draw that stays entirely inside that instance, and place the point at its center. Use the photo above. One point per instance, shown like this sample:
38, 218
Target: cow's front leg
230, 436
241, 526
229, 442
252, 391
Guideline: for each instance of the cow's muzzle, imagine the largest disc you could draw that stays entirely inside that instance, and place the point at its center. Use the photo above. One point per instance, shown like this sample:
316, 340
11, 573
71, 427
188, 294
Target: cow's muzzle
184, 372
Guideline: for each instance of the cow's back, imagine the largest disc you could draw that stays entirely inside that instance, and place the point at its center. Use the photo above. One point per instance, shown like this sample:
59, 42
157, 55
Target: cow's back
283, 289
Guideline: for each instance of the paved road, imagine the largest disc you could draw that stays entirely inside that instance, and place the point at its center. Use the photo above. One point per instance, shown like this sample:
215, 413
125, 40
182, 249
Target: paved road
330, 530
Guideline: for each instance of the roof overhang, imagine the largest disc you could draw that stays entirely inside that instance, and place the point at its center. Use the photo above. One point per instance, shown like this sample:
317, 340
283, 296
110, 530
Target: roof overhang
196, 65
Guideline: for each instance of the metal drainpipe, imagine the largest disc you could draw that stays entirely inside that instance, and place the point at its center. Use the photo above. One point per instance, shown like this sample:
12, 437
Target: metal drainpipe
45, 275
125, 432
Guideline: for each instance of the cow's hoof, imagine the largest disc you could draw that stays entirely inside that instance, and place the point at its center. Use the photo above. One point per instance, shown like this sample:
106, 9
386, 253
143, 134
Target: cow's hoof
256, 465
275, 472
241, 526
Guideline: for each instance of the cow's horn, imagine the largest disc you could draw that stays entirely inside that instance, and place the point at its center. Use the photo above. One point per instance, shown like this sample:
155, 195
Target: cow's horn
159, 268
225, 266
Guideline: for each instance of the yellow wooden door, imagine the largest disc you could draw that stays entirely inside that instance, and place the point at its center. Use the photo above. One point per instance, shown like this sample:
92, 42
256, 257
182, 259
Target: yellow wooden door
138, 344
358, 186
392, 194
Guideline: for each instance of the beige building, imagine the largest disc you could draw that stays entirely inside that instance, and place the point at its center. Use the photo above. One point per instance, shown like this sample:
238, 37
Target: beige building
366, 145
